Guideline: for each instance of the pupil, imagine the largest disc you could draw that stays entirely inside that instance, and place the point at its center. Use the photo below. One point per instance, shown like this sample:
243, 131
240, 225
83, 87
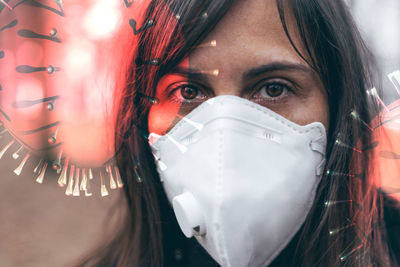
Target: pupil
189, 92
274, 90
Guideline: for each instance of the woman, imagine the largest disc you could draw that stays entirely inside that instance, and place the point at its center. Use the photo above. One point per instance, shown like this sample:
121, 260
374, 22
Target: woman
301, 63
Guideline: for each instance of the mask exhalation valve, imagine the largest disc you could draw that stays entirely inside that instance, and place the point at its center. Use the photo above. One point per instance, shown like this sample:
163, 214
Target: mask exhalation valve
189, 215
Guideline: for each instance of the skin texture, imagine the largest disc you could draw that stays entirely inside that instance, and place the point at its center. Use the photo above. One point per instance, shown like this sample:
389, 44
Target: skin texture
253, 59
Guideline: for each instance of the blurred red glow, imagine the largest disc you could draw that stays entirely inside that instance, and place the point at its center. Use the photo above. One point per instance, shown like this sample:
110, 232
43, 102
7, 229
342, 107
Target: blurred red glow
96, 42
386, 156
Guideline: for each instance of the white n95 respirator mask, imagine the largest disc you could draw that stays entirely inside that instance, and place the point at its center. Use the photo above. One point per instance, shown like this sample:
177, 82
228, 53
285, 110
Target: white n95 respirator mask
240, 177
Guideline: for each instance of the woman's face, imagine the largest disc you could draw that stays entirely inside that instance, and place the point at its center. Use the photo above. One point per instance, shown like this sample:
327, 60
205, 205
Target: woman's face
253, 59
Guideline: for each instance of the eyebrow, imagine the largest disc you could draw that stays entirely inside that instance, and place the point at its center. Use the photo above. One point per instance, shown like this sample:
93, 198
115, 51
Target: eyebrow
275, 66
250, 74
192, 72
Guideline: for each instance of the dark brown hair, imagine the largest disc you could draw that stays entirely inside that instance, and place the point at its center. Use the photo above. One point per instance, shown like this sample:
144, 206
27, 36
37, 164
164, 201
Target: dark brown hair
335, 49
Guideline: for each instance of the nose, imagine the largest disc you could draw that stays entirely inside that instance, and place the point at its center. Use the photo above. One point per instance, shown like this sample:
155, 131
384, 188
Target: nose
226, 84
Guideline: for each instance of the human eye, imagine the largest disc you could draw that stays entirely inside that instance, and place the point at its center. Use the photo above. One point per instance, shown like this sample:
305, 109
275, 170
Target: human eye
275, 90
186, 93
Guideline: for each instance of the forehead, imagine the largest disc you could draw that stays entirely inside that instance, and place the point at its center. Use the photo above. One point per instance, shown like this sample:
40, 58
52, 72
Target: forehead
250, 33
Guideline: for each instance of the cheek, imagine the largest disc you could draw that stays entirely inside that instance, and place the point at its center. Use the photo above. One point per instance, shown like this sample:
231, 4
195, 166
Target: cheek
164, 115
321, 110
161, 117
312, 109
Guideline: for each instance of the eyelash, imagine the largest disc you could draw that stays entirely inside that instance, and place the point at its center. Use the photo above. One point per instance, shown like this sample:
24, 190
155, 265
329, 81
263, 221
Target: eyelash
287, 86
172, 89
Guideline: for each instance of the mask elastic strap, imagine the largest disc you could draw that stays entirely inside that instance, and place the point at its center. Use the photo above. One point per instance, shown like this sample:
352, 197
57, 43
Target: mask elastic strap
318, 145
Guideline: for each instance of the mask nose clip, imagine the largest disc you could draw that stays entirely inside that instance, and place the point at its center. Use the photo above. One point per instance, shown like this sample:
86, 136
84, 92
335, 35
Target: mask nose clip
189, 215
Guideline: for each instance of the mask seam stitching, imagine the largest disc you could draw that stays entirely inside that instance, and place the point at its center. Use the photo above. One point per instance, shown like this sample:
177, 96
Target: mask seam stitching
219, 187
